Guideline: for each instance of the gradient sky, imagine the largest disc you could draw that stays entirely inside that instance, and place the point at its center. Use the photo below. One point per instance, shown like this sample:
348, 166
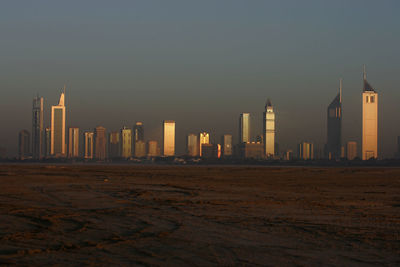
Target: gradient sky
200, 63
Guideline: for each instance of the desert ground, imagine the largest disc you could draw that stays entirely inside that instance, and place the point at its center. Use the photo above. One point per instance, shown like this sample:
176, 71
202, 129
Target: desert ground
114, 215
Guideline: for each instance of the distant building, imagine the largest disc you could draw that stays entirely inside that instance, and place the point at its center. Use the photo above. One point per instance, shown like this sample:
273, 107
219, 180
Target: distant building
138, 135
252, 150
351, 150
334, 126
100, 143
204, 138
244, 128
24, 145
369, 121
37, 128
209, 151
73, 142
227, 147
58, 146
88, 143
169, 138
288, 155
305, 151
152, 149
114, 145
126, 143
192, 145
219, 151
47, 141
269, 130
397, 153
140, 149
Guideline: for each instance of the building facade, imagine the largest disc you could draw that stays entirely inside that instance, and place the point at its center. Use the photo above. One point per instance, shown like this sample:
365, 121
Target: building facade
126, 143
24, 145
169, 138
369, 121
58, 146
351, 150
114, 145
204, 138
244, 128
37, 128
192, 145
47, 141
100, 143
334, 127
88, 143
140, 149
152, 149
305, 151
269, 130
227, 145
73, 142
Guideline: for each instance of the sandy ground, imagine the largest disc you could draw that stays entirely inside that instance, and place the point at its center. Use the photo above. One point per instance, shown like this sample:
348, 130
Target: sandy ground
199, 216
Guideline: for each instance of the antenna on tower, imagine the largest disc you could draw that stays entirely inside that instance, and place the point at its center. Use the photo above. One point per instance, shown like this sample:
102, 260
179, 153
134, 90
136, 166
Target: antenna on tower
364, 73
340, 89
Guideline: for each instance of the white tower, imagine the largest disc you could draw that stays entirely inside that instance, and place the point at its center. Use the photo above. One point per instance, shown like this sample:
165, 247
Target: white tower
269, 130
369, 120
58, 145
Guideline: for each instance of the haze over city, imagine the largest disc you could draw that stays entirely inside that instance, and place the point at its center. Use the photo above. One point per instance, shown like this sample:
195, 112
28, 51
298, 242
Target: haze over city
200, 64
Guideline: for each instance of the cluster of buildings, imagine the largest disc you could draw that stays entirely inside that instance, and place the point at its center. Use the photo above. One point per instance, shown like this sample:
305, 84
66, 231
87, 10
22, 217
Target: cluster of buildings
58, 142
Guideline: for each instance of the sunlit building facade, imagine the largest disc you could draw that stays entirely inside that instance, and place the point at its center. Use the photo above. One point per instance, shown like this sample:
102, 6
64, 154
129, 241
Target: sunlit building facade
351, 150
37, 128
73, 142
369, 121
204, 138
252, 150
305, 151
269, 130
114, 145
24, 145
47, 141
244, 128
140, 149
138, 135
126, 143
58, 146
88, 143
192, 145
334, 126
152, 149
169, 138
227, 147
100, 143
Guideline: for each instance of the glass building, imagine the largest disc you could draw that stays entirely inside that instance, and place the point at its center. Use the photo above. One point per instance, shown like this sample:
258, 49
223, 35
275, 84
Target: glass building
244, 128
152, 149
37, 128
126, 143
351, 150
269, 130
100, 143
73, 142
192, 145
204, 138
169, 138
305, 151
114, 145
88, 143
227, 149
47, 141
58, 147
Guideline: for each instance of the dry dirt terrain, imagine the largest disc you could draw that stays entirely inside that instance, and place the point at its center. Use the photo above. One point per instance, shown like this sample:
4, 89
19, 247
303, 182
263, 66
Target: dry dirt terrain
199, 216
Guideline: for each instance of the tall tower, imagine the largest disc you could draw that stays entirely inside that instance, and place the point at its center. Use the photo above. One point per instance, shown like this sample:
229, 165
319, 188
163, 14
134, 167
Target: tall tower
100, 143
244, 128
73, 142
88, 143
58, 128
169, 138
269, 129
204, 138
369, 121
334, 124
126, 142
37, 128
192, 145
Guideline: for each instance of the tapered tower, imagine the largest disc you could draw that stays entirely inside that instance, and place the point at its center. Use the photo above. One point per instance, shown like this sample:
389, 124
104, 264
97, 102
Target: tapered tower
269, 129
334, 126
58, 145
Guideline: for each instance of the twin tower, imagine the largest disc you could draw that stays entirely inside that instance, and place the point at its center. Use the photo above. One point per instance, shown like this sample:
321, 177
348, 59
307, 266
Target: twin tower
369, 123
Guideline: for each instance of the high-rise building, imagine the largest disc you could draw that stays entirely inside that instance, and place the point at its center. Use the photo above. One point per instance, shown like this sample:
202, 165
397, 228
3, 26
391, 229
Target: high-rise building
24, 145
305, 151
204, 138
334, 124
351, 150
152, 149
88, 142
252, 150
209, 150
73, 142
126, 142
369, 121
169, 138
140, 149
244, 128
192, 145
269, 130
138, 134
58, 147
100, 143
227, 145
47, 141
114, 145
37, 128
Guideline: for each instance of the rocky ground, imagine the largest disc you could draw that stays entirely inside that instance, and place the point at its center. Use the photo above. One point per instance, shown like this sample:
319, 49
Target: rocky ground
199, 216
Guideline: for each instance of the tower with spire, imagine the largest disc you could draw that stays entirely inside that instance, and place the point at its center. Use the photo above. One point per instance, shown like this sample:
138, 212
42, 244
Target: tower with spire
369, 120
334, 126
269, 130
57, 140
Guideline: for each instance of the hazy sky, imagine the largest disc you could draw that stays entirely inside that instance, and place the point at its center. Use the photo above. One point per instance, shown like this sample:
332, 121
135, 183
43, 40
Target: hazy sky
200, 63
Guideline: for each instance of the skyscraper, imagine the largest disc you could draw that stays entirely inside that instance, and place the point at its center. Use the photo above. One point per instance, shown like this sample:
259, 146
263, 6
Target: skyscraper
88, 142
37, 128
334, 126
192, 145
351, 150
269, 130
100, 143
58, 128
369, 121
227, 145
73, 142
204, 138
114, 145
24, 148
47, 141
169, 138
152, 149
140, 149
138, 135
305, 151
244, 128
126, 142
